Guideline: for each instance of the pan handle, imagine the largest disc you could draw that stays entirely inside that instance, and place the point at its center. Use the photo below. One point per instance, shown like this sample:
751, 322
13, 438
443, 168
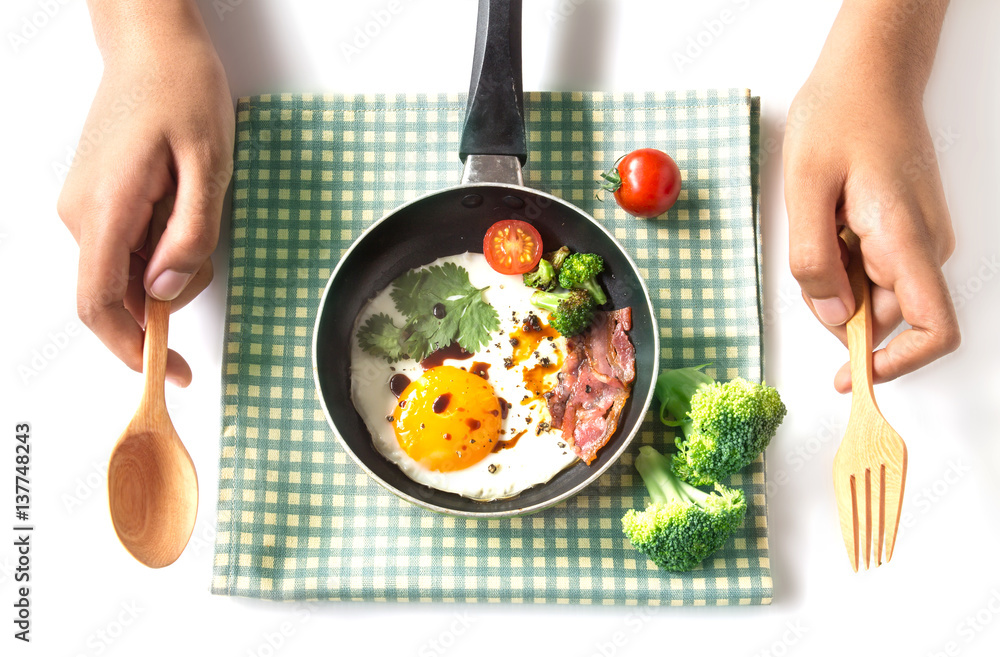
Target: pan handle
494, 119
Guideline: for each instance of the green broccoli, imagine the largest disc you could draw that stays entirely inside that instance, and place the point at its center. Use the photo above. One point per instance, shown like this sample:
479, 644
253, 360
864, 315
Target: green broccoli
570, 311
580, 270
557, 257
682, 525
543, 276
725, 425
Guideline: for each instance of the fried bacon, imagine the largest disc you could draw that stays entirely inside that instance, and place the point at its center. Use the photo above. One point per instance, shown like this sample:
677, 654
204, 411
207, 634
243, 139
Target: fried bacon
595, 383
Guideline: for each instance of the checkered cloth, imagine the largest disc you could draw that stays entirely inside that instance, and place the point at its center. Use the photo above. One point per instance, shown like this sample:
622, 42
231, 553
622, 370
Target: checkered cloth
297, 518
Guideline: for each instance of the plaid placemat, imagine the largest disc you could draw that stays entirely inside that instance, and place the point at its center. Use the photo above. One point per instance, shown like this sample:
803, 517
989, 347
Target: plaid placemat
297, 518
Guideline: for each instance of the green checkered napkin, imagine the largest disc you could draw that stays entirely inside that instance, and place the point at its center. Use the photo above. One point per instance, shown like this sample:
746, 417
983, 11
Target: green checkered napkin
297, 518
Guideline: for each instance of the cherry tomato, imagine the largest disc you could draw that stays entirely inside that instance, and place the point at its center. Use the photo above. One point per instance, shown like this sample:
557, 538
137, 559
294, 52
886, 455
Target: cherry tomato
512, 246
646, 182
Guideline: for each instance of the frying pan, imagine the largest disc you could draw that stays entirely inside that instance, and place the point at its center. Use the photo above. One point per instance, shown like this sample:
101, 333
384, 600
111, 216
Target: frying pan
454, 220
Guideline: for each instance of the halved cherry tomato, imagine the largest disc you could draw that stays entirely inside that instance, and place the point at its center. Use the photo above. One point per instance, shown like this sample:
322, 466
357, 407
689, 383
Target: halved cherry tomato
512, 246
646, 182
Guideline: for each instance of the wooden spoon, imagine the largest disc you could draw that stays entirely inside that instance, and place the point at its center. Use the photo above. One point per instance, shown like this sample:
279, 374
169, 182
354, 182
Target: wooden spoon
152, 484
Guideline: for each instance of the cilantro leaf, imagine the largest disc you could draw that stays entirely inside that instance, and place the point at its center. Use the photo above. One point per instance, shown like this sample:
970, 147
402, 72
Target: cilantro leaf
468, 318
417, 292
380, 337
476, 320
418, 346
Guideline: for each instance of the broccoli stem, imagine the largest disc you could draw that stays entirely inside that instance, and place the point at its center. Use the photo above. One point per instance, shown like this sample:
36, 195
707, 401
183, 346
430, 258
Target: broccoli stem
546, 300
654, 468
674, 389
662, 484
595, 290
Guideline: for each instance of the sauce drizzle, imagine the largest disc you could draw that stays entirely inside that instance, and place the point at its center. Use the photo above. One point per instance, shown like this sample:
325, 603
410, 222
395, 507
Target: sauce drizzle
481, 370
453, 351
398, 383
441, 403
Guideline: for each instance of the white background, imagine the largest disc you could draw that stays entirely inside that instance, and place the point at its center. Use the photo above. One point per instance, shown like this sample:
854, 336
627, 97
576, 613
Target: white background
90, 597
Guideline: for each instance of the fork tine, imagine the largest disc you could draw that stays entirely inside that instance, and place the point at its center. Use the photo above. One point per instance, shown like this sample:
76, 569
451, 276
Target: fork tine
878, 510
848, 510
895, 482
865, 516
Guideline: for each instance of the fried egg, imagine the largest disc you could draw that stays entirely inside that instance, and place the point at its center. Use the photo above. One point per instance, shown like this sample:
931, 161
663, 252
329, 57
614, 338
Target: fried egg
474, 425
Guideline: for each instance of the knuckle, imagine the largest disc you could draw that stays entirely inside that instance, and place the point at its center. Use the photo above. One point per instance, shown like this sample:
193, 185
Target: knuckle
799, 168
947, 243
198, 238
809, 265
88, 309
949, 338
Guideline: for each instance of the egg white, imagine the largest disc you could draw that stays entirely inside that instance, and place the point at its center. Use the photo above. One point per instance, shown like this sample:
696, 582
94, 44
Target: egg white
534, 459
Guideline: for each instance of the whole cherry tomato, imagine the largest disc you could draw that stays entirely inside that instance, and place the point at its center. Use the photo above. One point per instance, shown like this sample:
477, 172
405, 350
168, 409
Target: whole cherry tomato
646, 182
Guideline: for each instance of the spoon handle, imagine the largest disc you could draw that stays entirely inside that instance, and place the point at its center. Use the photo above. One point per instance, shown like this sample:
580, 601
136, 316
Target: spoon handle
154, 348
859, 326
154, 351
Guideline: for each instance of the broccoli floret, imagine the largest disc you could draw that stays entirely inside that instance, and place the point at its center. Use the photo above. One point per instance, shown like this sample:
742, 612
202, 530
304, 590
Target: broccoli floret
580, 270
543, 276
725, 425
570, 311
682, 525
557, 257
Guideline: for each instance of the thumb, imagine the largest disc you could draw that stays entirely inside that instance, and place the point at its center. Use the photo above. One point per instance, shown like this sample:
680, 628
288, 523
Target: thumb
190, 236
814, 249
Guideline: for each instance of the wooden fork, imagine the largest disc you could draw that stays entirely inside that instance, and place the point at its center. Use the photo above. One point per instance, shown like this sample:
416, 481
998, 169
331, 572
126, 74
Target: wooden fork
870, 465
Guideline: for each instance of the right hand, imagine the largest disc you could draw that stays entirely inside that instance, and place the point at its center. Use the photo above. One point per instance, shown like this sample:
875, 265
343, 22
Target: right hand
161, 125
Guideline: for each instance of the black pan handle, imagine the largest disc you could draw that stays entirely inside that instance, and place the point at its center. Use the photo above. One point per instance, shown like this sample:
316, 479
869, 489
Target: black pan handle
494, 119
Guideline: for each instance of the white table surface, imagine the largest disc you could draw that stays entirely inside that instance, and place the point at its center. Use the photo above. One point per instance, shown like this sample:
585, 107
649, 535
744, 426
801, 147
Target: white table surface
90, 598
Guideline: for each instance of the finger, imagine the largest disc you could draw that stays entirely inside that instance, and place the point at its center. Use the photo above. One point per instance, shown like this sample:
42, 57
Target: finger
103, 280
886, 316
815, 252
191, 233
178, 370
105, 267
196, 286
135, 296
926, 305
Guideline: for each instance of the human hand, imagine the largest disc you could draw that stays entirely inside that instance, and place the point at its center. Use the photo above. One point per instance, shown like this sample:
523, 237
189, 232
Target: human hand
857, 152
160, 125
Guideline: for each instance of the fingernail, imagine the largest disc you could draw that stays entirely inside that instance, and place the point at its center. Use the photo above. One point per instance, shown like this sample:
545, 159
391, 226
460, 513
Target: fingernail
175, 381
832, 312
169, 285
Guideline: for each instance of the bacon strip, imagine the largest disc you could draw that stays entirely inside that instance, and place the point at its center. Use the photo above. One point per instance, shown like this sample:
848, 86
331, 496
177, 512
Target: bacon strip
595, 383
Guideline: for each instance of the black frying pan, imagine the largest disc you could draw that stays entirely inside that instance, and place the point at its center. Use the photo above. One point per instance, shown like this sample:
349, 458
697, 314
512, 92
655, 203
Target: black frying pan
453, 221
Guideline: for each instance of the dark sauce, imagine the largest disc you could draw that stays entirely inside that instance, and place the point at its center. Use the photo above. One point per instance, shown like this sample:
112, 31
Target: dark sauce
507, 444
441, 403
438, 310
398, 383
473, 424
454, 350
481, 370
504, 407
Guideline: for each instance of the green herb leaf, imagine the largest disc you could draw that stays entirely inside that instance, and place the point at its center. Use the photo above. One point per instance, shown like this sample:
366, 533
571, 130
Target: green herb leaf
476, 319
380, 337
468, 318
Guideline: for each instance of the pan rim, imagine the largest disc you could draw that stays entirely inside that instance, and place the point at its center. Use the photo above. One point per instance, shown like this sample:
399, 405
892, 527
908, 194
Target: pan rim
538, 506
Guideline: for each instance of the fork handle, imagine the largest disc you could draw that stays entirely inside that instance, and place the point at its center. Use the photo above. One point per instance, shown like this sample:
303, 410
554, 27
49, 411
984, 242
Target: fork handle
859, 326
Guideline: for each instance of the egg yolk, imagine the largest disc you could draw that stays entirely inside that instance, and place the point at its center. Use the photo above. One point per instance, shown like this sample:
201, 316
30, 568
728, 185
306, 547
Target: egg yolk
448, 419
